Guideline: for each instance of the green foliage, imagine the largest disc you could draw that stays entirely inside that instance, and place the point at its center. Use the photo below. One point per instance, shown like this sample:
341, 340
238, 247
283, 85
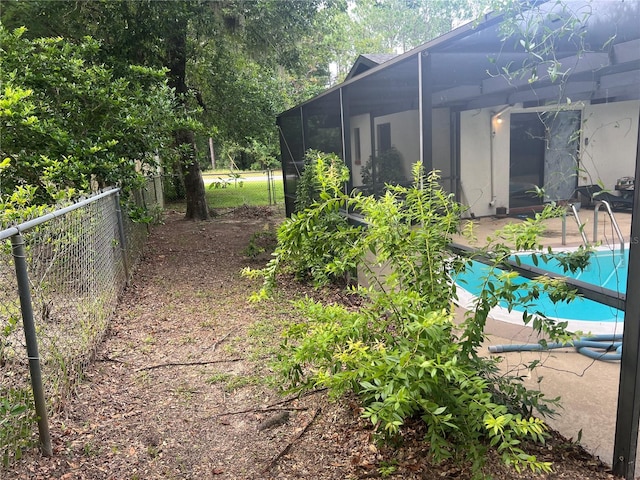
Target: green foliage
16, 421
260, 242
247, 61
319, 167
391, 26
9, 328
400, 357
408, 232
69, 124
315, 243
401, 352
232, 179
386, 168
541, 32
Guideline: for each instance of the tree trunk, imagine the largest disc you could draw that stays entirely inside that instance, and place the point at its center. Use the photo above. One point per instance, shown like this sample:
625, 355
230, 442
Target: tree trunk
196, 198
197, 208
195, 193
185, 139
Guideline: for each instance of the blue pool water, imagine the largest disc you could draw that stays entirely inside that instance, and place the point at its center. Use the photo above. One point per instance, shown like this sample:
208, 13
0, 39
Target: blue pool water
606, 268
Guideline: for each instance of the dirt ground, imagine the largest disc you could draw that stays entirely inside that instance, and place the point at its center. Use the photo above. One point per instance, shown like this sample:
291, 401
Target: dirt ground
182, 389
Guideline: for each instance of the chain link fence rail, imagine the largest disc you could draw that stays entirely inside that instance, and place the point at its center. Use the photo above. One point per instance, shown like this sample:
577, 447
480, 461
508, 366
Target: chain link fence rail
61, 276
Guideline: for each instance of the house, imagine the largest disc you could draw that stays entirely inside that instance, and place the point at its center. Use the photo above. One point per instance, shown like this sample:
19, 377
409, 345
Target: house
495, 110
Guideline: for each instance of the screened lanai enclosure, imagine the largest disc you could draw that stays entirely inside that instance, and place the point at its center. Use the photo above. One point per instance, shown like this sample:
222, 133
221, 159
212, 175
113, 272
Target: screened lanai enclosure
515, 112
490, 105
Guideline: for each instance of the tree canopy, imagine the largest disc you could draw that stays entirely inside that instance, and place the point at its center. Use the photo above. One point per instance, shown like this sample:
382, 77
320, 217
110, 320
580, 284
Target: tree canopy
232, 64
394, 26
68, 120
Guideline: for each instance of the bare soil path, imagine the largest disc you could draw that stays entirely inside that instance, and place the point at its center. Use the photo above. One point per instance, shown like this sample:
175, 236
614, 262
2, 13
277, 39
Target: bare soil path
181, 388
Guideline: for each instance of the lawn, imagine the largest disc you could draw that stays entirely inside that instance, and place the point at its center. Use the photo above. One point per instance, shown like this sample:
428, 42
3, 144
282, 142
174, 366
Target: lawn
242, 192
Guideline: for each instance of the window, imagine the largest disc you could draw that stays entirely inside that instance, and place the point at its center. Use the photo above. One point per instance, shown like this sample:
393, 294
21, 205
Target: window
357, 150
384, 137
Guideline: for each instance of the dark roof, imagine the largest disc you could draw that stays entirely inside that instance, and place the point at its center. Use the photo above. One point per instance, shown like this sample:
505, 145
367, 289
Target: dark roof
379, 58
367, 61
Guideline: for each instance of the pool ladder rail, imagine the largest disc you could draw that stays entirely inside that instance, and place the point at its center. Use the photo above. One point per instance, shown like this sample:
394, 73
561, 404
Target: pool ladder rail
596, 210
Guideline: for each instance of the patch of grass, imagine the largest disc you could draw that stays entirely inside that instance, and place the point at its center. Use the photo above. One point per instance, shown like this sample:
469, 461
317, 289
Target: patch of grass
218, 378
89, 449
207, 324
143, 378
231, 347
250, 193
234, 382
262, 330
264, 338
238, 381
153, 452
204, 294
186, 392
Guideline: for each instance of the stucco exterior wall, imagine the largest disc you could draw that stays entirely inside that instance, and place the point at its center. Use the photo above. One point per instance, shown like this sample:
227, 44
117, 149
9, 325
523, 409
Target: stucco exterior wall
405, 135
362, 122
475, 162
609, 142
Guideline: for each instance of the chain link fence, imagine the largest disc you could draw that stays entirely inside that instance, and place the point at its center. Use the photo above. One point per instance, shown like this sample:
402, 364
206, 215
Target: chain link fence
77, 261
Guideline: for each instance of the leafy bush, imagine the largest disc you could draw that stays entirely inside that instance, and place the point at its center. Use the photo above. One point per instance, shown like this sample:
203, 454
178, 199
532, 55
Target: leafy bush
68, 121
401, 352
315, 243
16, 418
386, 168
318, 167
402, 359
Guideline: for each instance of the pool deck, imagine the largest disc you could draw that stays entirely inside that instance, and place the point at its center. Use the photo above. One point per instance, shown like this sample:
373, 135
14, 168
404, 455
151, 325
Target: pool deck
588, 388
485, 226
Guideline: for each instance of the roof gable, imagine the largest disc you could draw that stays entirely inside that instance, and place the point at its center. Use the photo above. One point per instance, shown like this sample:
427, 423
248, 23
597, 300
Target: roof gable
367, 61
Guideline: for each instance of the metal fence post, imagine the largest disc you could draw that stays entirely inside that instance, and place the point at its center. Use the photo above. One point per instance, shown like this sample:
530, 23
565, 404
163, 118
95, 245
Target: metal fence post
123, 241
24, 290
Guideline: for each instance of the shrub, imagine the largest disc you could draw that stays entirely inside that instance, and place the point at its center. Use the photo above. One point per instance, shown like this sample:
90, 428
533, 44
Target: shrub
315, 243
319, 167
386, 168
401, 352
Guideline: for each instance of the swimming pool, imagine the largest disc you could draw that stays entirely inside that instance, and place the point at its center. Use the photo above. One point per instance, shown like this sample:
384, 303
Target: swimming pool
607, 268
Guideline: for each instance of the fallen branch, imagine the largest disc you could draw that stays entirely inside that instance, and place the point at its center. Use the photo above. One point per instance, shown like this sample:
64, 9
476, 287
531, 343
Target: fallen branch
181, 364
109, 359
284, 451
298, 397
263, 410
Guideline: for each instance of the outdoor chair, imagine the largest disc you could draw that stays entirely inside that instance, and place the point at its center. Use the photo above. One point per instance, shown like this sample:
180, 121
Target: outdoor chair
595, 193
